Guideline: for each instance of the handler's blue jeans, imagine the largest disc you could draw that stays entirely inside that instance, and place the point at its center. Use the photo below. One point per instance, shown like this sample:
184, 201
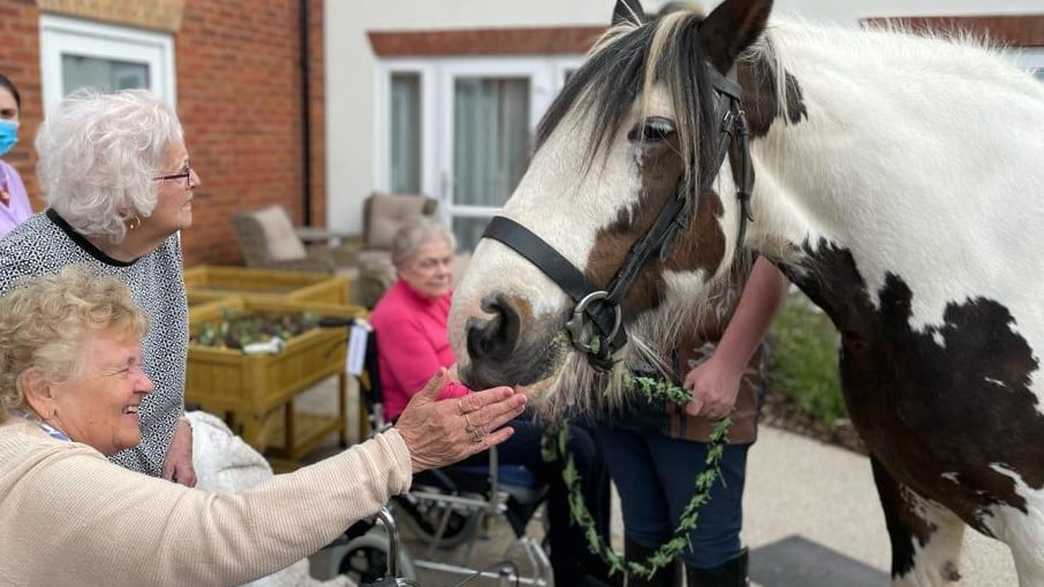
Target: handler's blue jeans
656, 478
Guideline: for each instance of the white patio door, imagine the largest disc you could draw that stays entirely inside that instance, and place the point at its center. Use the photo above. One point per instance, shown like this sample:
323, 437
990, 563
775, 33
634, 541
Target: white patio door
490, 112
462, 130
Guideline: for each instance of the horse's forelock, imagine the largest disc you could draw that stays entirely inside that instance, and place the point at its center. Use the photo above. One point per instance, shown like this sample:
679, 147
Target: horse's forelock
627, 63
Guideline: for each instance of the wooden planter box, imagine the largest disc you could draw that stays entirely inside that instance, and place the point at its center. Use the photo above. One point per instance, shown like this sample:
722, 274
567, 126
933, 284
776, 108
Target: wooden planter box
256, 392
222, 281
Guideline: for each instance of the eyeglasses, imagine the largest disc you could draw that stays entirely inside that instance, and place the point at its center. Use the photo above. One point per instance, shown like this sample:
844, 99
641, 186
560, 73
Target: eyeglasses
186, 175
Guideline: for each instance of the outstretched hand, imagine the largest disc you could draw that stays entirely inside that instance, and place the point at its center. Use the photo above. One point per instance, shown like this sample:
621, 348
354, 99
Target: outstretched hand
440, 433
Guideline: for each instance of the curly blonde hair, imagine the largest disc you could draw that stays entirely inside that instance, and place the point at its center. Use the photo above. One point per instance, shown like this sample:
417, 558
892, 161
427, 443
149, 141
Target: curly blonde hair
45, 321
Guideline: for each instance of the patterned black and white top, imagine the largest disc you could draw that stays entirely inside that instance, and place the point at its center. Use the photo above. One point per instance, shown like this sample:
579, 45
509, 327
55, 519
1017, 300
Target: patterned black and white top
46, 243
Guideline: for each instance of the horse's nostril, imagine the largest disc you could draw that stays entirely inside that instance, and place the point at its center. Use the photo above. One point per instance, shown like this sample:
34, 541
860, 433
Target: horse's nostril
495, 338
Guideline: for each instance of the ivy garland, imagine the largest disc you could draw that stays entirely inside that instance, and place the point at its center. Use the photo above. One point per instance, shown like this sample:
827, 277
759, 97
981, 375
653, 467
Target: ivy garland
554, 446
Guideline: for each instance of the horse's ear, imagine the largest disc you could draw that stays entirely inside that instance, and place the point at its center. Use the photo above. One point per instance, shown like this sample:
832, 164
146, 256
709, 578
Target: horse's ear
732, 27
628, 11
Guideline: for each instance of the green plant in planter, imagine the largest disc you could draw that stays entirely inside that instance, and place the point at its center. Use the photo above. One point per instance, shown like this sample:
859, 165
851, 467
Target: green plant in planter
236, 329
803, 360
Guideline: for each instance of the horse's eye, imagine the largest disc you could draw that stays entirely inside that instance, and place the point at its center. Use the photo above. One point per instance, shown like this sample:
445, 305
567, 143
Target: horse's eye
654, 130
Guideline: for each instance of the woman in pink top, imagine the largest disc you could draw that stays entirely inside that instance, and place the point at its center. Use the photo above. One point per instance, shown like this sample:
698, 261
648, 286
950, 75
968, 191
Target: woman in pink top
14, 202
413, 344
410, 319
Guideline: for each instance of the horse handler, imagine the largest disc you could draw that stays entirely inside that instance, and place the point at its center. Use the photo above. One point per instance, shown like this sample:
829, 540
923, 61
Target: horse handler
658, 451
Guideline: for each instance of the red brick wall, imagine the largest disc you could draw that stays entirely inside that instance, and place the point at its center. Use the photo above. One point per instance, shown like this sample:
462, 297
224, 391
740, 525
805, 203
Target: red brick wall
239, 99
500, 41
1019, 30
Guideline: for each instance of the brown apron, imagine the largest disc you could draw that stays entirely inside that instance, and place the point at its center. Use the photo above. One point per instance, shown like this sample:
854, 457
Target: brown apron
696, 348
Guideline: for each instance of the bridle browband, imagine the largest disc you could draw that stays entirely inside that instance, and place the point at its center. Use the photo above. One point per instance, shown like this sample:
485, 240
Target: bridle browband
601, 307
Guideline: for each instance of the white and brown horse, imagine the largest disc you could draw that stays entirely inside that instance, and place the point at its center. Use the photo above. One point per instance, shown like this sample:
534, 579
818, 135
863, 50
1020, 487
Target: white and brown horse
899, 184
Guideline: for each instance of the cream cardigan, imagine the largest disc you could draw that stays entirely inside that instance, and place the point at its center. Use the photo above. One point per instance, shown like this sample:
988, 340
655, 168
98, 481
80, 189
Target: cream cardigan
70, 517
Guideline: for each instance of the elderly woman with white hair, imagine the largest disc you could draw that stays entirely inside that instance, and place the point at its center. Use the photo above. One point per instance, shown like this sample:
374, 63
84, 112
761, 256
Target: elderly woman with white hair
116, 177
72, 379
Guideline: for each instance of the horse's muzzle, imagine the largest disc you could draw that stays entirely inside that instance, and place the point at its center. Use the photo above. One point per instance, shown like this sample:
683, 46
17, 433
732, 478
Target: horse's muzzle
494, 339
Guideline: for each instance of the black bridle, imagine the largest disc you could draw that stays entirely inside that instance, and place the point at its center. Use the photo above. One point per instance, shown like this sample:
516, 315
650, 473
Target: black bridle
601, 307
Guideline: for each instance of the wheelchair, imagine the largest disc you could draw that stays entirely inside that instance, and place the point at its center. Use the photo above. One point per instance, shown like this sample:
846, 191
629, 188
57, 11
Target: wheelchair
445, 509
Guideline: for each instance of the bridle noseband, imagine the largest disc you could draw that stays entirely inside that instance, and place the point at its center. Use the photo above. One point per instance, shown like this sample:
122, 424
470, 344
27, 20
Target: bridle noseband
601, 307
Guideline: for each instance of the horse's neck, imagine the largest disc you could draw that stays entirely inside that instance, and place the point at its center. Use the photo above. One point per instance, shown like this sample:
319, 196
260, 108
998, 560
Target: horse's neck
908, 146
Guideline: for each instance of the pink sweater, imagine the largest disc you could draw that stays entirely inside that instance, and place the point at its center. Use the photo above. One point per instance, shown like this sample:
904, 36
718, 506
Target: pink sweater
412, 343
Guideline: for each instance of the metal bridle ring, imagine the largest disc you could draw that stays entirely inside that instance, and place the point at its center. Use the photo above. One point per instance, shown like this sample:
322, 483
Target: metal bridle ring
576, 323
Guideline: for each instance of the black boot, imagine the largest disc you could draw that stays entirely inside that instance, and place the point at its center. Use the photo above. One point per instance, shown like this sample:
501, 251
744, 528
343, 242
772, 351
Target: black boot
665, 577
731, 574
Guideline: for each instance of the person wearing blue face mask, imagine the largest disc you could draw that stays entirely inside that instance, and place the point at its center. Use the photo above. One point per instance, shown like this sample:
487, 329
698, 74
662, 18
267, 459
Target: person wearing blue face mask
14, 202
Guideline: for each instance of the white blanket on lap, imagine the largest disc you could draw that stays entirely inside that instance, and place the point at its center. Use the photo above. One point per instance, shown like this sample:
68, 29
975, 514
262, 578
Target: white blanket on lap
226, 464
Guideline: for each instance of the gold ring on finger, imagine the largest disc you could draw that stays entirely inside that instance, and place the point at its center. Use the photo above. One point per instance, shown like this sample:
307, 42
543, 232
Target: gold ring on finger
460, 406
468, 425
477, 435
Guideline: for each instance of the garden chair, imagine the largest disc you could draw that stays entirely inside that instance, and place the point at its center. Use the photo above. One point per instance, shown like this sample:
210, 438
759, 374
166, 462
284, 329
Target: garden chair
268, 239
383, 216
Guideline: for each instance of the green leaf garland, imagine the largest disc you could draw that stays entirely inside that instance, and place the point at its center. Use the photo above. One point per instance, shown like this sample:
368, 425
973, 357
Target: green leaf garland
553, 447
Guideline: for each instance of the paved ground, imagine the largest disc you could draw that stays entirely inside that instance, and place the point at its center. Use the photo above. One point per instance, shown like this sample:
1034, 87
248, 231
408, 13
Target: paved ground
811, 520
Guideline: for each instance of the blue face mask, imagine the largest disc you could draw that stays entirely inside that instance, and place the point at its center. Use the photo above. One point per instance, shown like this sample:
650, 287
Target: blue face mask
8, 136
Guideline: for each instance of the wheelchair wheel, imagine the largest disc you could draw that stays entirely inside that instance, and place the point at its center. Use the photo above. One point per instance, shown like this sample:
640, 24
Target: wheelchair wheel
365, 559
423, 517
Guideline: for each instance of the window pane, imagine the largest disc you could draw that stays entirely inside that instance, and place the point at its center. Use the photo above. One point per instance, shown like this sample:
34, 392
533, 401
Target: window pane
491, 139
104, 75
405, 133
468, 232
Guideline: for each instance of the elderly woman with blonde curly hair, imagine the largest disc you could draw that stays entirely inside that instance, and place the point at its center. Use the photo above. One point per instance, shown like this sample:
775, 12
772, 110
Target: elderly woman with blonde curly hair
71, 383
116, 177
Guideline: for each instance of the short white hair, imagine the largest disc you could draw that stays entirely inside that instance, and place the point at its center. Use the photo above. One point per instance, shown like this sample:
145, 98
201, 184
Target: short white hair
98, 155
416, 233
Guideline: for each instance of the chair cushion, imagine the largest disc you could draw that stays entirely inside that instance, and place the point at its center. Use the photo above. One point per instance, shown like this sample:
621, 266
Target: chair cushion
376, 274
388, 213
283, 244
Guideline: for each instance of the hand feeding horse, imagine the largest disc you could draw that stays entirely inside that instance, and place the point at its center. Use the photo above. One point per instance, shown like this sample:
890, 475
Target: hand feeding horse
899, 184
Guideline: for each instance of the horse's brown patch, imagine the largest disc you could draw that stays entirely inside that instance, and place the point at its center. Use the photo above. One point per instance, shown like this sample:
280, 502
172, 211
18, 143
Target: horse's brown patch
761, 99
700, 246
934, 413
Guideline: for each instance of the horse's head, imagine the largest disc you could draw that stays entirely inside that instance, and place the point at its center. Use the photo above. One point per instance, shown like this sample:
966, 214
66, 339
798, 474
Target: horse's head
637, 127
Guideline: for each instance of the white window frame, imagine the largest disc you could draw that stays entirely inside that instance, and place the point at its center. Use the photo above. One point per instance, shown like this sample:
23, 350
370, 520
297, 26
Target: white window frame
437, 78
60, 35
382, 122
